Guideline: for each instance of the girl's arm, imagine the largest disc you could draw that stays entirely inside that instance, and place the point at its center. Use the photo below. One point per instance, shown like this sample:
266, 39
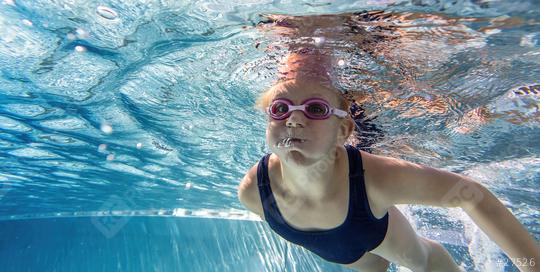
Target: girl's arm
392, 181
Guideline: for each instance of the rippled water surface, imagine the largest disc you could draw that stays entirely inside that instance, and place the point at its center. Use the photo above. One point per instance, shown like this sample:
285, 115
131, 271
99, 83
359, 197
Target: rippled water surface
152, 101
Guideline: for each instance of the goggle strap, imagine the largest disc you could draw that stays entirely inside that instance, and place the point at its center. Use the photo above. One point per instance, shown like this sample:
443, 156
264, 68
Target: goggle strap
340, 113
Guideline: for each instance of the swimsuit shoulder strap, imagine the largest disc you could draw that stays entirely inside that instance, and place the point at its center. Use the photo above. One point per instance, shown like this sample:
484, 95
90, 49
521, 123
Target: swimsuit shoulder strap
357, 186
262, 171
263, 183
357, 190
356, 168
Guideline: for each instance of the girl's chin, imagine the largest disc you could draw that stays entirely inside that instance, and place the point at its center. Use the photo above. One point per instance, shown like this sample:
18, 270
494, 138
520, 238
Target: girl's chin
295, 157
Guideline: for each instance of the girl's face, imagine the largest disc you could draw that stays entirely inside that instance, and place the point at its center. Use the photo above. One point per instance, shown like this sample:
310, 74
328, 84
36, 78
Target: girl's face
311, 140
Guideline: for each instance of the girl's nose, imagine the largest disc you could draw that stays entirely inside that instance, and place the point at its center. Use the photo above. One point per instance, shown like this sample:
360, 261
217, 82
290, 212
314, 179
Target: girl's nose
296, 119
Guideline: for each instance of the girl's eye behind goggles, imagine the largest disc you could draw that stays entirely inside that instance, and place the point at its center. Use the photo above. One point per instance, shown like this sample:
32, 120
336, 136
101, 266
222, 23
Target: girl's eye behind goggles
313, 108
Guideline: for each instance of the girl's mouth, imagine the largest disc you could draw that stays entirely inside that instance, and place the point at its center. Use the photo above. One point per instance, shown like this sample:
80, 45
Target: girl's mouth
289, 141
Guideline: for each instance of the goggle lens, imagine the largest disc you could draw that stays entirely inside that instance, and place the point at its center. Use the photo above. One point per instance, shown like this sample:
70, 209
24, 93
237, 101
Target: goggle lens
279, 108
317, 109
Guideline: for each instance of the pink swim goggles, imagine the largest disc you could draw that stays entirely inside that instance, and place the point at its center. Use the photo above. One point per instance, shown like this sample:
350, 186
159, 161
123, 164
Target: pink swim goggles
313, 108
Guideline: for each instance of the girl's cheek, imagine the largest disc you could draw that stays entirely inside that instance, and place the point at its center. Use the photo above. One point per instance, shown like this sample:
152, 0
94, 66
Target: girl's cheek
274, 126
271, 134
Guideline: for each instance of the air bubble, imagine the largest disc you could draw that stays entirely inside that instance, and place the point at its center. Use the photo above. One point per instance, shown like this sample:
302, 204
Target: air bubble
9, 2
102, 147
284, 143
27, 22
107, 13
107, 129
81, 33
80, 48
318, 40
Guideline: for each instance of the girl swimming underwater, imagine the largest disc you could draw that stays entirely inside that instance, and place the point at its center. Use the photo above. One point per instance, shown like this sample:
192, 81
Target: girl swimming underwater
339, 202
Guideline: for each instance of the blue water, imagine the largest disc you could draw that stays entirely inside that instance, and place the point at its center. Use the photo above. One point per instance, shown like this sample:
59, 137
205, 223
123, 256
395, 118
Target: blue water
125, 127
149, 244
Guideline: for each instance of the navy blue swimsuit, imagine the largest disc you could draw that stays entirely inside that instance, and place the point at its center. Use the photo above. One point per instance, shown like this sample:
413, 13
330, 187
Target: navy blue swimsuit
344, 244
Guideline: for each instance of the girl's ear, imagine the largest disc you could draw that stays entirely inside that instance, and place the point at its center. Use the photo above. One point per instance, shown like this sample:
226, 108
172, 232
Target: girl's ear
345, 130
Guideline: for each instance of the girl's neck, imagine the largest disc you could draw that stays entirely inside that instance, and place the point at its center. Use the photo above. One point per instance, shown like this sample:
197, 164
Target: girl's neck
315, 182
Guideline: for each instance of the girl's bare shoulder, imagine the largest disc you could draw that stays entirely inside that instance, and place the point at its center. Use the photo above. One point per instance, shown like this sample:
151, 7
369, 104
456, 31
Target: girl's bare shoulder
248, 192
376, 165
377, 171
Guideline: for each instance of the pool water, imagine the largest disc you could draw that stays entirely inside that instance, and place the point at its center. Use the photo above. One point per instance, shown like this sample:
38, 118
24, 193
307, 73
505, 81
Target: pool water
125, 127
155, 243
